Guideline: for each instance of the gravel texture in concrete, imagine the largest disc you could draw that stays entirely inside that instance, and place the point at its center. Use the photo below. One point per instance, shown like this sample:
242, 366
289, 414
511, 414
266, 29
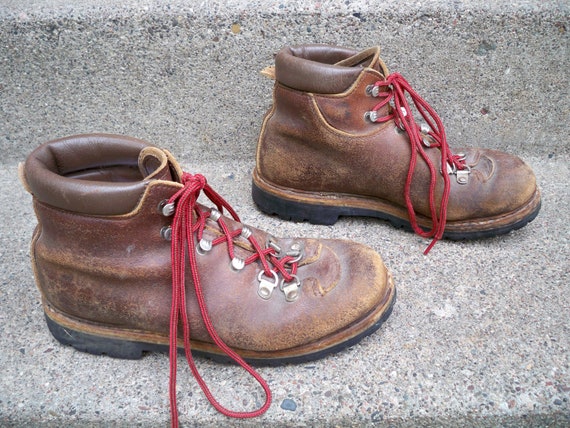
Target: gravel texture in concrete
186, 74
480, 334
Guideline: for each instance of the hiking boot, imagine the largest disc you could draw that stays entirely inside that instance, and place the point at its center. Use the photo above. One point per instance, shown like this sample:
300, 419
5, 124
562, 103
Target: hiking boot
341, 139
127, 261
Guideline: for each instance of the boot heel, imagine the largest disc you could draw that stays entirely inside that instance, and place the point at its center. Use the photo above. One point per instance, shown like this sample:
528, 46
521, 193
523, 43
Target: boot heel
293, 210
97, 345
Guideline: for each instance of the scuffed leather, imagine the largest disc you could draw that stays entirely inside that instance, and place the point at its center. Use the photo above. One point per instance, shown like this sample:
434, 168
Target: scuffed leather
114, 269
316, 140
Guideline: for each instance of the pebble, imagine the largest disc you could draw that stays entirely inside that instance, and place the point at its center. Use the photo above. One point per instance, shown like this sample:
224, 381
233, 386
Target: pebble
289, 404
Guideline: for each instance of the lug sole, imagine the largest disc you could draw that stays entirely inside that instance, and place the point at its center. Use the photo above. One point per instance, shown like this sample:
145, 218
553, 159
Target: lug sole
127, 344
326, 208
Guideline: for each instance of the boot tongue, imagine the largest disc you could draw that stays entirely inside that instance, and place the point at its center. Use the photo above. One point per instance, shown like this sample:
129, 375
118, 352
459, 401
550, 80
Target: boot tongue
368, 58
158, 164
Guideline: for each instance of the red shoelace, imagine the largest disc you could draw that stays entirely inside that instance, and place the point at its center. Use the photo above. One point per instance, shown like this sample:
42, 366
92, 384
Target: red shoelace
395, 89
187, 229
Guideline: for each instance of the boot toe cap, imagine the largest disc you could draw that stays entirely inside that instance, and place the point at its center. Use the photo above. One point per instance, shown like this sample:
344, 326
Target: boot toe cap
345, 293
499, 184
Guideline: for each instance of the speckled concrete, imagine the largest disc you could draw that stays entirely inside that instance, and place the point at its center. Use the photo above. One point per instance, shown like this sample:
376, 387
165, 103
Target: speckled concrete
480, 334
186, 74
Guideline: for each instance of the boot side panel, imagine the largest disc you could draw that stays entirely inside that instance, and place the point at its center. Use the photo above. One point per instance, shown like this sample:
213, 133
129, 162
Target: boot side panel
105, 270
299, 148
321, 143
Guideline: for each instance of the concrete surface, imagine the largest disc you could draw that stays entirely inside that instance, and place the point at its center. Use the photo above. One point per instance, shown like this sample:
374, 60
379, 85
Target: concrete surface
480, 333
186, 74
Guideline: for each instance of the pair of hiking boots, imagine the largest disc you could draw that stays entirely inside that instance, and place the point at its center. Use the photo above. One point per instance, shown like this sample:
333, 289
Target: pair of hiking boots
127, 260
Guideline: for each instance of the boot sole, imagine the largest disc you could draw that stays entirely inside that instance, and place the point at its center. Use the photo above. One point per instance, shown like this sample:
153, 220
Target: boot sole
127, 344
326, 208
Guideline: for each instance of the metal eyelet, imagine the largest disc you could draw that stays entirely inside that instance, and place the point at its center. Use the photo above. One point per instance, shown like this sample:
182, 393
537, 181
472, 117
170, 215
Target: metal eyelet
245, 232
237, 264
451, 169
266, 286
291, 289
372, 90
371, 116
215, 214
462, 176
204, 246
425, 129
272, 243
166, 233
295, 251
166, 208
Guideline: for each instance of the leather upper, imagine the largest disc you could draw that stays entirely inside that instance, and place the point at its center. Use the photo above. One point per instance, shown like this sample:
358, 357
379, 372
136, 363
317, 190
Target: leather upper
95, 174
298, 67
316, 140
110, 265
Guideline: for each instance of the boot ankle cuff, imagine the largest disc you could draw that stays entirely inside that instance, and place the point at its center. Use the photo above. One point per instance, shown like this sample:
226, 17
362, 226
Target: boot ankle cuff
311, 68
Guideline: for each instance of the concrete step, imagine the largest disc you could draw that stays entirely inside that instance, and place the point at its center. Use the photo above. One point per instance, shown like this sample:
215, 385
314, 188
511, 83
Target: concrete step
186, 74
480, 335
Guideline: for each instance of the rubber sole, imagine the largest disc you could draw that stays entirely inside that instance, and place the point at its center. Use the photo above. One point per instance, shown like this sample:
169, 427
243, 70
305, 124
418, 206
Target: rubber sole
103, 340
325, 209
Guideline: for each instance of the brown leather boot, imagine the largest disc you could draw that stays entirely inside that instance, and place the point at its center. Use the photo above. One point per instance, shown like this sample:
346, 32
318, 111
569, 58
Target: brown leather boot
127, 261
341, 139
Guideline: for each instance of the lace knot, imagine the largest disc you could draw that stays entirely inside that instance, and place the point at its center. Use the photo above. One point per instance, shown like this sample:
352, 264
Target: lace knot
194, 179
